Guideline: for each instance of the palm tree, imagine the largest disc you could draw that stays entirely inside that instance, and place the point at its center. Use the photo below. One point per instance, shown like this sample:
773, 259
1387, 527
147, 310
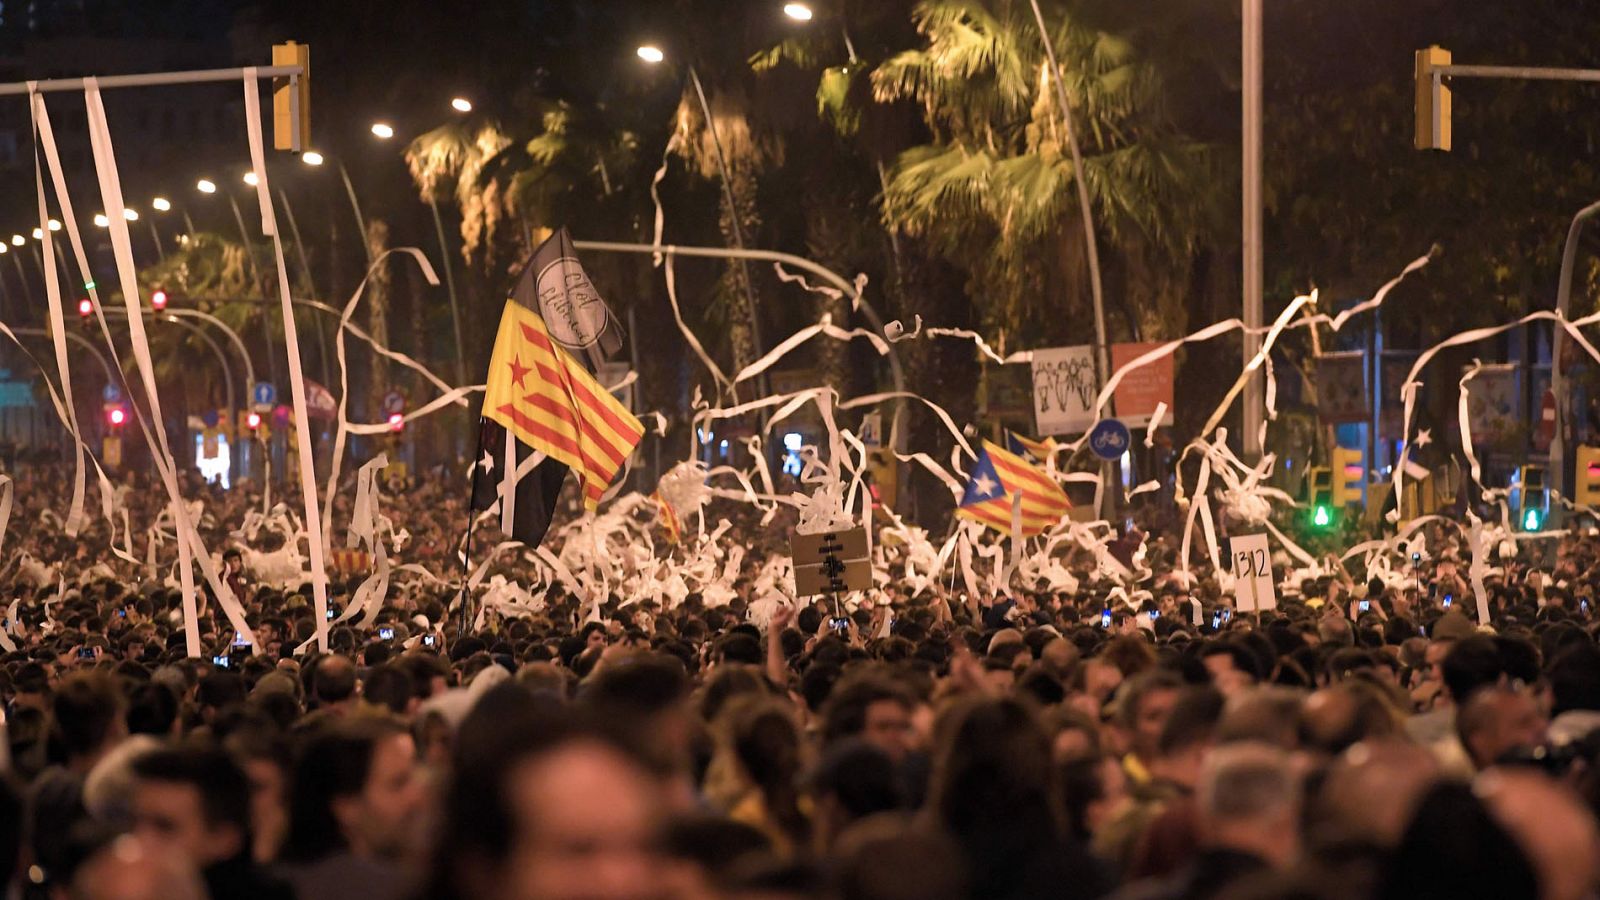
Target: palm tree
994, 189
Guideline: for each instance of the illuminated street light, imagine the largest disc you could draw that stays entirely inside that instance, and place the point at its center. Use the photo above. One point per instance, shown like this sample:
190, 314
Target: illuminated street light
311, 158
205, 186
53, 225
18, 240
382, 130
161, 204
38, 235
797, 11
461, 104
651, 54
251, 179
131, 214
101, 221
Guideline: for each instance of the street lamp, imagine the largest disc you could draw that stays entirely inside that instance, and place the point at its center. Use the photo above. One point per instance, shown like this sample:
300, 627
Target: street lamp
797, 11
311, 158
651, 54
131, 214
161, 204
461, 104
251, 179
101, 221
53, 225
206, 186
18, 240
383, 130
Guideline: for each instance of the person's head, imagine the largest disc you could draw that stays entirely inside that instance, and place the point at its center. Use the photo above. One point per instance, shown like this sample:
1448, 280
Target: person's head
1471, 663
993, 773
1372, 791
1553, 829
392, 688
872, 708
88, 709
647, 693
334, 680
1269, 715
852, 781
1249, 801
354, 789
194, 801
1496, 720
1575, 679
1143, 704
547, 809
1187, 734
128, 869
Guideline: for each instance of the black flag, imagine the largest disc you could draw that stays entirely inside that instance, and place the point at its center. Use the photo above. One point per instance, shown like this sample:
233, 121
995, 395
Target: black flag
536, 493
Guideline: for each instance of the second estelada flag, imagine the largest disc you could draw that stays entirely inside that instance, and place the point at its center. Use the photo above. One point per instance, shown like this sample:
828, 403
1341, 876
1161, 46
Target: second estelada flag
551, 403
996, 477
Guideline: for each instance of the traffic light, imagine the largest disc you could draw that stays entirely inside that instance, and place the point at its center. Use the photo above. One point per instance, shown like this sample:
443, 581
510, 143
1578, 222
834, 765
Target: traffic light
116, 416
1319, 496
1533, 500
397, 422
253, 422
158, 300
289, 99
1588, 488
883, 472
1433, 100
85, 309
1348, 476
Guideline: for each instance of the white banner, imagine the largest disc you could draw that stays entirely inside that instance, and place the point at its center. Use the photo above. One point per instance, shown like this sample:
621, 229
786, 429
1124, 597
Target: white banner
1063, 390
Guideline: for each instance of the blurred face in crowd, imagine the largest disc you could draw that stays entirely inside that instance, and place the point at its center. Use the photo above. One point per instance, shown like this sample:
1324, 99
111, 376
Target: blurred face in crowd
1151, 717
268, 816
887, 726
381, 820
586, 820
170, 817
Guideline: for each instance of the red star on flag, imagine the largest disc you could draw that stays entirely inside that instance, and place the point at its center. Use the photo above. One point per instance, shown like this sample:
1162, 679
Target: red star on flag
519, 371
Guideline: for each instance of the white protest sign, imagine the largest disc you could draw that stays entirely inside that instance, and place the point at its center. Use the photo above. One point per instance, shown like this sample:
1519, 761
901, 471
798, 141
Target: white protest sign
1063, 390
1253, 590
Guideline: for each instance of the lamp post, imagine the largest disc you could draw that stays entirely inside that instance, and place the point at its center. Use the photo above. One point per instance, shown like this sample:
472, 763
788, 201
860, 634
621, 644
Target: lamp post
654, 55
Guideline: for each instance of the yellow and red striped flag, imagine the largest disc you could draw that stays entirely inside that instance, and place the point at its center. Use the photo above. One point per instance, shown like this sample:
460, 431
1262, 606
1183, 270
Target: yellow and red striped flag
997, 477
551, 403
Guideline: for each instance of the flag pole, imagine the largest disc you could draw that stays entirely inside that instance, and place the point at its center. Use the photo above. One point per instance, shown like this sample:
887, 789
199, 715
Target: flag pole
466, 539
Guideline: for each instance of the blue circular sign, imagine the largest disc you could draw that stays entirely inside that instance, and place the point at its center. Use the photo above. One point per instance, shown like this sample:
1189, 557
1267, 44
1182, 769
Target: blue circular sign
264, 394
1110, 439
112, 393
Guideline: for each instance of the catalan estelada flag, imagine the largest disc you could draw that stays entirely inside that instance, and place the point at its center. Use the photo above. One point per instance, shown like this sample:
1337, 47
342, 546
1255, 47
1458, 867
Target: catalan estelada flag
1000, 475
1035, 451
551, 403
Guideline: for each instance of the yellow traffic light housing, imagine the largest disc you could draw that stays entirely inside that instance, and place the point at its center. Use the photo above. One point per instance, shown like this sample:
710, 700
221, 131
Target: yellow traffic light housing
1588, 477
1348, 476
291, 98
1433, 100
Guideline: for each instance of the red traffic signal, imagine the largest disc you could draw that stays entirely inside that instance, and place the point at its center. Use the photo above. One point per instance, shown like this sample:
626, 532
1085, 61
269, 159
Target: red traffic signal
253, 421
85, 307
116, 415
158, 300
397, 422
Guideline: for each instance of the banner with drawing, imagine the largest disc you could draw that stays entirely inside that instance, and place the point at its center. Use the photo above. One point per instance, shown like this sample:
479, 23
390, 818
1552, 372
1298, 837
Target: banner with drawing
1063, 390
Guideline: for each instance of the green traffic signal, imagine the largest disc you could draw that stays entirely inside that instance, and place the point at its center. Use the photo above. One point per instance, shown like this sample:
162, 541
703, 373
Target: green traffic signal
1532, 519
1322, 516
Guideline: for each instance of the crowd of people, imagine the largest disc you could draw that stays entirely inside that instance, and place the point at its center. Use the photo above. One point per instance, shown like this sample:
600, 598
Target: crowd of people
1365, 739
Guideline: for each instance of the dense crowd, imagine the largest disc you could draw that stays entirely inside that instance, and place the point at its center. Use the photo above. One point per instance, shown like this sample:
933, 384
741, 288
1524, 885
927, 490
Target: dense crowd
1364, 739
